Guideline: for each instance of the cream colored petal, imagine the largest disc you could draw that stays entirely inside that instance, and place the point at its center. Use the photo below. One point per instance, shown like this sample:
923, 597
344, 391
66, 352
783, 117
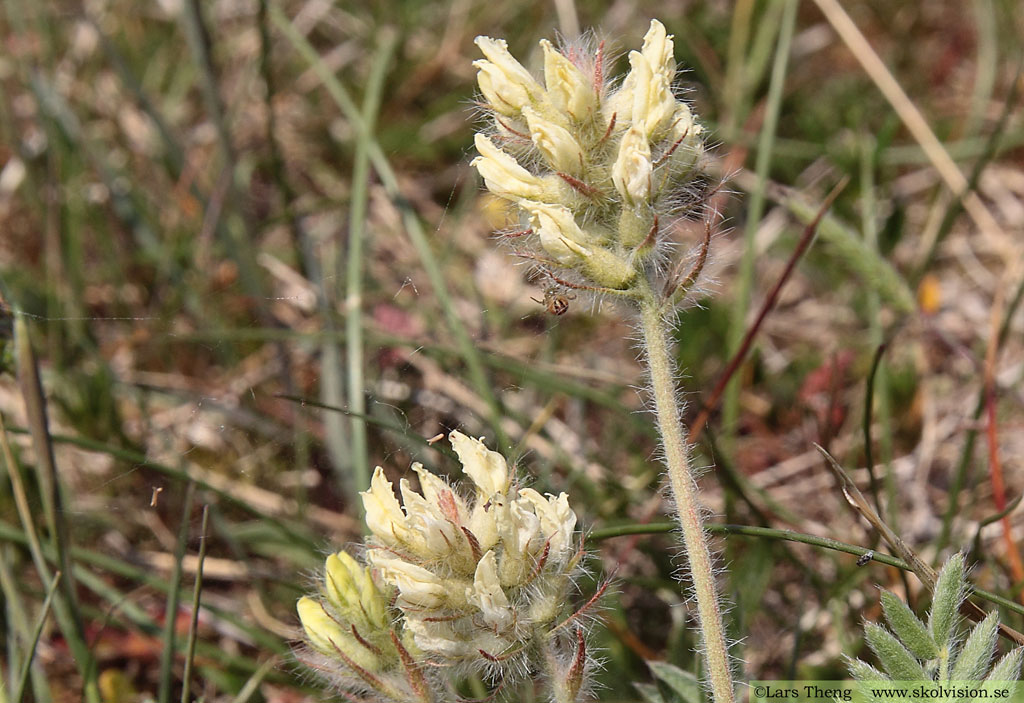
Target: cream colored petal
487, 469
659, 50
620, 103
555, 143
484, 519
631, 172
653, 100
507, 86
439, 493
568, 89
522, 534
496, 51
557, 520
556, 226
486, 593
384, 515
439, 637
505, 96
416, 586
505, 178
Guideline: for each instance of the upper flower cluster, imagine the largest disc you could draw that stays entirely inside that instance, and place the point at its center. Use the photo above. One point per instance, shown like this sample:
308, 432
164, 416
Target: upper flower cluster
591, 167
450, 581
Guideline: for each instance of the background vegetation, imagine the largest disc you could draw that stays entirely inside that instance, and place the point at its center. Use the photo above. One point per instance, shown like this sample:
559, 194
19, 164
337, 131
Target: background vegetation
242, 301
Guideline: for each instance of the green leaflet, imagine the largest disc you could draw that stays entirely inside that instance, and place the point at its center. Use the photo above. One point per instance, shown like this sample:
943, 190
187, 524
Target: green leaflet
680, 685
1008, 668
949, 592
973, 660
913, 652
910, 630
862, 671
896, 659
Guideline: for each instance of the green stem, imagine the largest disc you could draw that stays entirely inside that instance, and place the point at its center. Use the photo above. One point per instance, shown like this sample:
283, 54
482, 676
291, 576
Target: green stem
684, 490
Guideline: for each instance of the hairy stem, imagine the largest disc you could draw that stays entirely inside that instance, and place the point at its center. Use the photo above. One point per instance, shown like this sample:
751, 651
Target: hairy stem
684, 490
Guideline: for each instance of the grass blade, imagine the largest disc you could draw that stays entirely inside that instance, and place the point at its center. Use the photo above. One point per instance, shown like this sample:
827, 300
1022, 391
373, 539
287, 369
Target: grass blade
171, 609
66, 607
254, 681
354, 273
730, 409
464, 343
17, 630
197, 591
26, 666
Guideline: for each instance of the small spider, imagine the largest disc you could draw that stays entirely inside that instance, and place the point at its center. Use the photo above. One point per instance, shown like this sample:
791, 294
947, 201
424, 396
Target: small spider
556, 301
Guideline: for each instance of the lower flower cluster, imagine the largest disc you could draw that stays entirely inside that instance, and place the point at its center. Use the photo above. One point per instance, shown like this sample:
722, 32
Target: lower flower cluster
452, 586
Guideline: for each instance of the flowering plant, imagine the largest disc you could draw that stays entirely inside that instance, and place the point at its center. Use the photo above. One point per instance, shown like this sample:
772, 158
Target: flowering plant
596, 170
453, 586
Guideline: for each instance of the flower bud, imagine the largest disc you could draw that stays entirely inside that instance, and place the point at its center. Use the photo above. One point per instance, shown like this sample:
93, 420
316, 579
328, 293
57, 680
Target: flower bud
631, 172
567, 88
506, 85
555, 143
328, 636
351, 590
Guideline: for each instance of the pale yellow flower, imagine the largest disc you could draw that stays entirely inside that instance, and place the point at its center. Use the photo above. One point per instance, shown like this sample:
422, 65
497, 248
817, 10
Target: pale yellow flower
555, 143
479, 582
653, 100
440, 638
435, 525
487, 469
631, 172
559, 234
384, 515
557, 520
503, 175
567, 88
659, 51
487, 595
417, 587
506, 85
